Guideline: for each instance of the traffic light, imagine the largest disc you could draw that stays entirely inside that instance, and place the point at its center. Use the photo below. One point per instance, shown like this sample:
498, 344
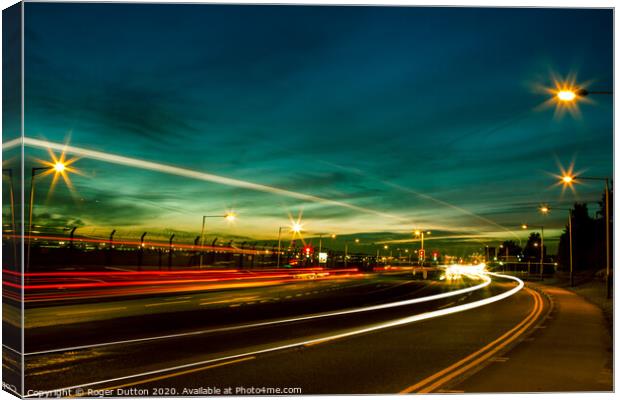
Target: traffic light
308, 250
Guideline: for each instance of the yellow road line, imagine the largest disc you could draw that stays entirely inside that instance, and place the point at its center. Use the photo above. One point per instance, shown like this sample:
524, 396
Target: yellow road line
516, 330
167, 303
188, 371
90, 311
487, 355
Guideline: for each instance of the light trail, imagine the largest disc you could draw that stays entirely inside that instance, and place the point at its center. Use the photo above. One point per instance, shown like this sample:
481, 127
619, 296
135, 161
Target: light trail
424, 196
203, 176
401, 303
9, 144
315, 341
146, 282
452, 206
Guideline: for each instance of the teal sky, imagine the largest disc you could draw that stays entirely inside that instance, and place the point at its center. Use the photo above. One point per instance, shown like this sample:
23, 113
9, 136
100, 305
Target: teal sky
425, 118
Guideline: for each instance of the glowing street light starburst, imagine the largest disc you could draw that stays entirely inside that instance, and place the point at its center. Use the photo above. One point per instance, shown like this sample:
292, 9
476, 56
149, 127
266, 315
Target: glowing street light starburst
565, 95
60, 166
567, 177
297, 227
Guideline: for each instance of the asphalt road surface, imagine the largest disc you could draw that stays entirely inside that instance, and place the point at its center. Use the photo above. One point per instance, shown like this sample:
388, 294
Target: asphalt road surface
286, 339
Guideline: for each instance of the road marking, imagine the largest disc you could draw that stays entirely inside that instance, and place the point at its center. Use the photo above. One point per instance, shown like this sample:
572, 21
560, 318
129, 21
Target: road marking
458, 368
166, 303
189, 371
416, 300
447, 305
91, 311
213, 302
371, 328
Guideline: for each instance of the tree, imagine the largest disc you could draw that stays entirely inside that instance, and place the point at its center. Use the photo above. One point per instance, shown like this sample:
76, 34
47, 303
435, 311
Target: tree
532, 247
510, 248
588, 241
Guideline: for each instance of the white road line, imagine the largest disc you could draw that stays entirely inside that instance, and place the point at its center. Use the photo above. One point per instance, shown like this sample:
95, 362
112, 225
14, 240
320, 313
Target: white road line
384, 325
416, 300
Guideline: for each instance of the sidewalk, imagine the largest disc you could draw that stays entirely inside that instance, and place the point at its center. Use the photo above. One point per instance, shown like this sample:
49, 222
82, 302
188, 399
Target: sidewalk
571, 350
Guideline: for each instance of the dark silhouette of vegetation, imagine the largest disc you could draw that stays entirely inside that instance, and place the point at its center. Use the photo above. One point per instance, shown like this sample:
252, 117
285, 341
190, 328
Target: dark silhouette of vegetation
509, 249
588, 238
531, 252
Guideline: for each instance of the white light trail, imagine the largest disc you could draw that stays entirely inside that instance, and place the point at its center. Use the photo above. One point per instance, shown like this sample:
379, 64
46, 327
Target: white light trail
401, 303
372, 328
203, 176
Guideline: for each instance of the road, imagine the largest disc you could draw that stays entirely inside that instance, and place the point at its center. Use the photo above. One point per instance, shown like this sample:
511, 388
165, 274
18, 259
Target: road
371, 333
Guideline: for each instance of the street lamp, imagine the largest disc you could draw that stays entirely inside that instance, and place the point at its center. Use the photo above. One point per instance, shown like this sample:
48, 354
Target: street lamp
569, 179
569, 95
333, 236
346, 250
542, 244
58, 167
421, 235
546, 210
294, 228
229, 216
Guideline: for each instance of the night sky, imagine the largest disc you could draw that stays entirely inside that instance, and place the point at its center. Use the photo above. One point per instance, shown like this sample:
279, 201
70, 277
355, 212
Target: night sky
427, 118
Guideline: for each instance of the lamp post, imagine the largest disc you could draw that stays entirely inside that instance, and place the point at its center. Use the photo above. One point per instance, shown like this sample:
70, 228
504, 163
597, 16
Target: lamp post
333, 236
58, 168
279, 244
229, 216
542, 245
420, 234
568, 179
295, 228
568, 94
9, 174
346, 251
546, 210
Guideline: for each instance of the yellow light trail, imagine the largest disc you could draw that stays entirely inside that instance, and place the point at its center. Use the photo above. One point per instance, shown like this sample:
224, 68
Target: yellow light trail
188, 173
